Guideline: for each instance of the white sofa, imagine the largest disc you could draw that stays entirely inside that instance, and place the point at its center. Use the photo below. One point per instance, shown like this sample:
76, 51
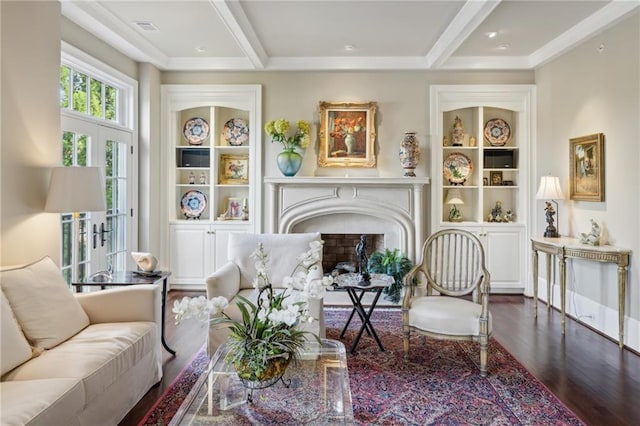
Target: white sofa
236, 276
74, 359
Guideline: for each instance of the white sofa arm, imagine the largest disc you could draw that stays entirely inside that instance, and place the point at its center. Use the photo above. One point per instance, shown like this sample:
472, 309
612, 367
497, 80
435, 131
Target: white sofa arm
140, 302
224, 282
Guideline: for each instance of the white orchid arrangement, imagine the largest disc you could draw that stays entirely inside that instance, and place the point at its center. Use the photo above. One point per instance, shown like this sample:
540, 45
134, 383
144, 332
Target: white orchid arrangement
270, 328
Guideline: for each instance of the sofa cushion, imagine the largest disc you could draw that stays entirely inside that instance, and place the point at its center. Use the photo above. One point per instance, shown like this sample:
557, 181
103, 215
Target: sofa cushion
41, 402
15, 348
42, 302
282, 249
98, 355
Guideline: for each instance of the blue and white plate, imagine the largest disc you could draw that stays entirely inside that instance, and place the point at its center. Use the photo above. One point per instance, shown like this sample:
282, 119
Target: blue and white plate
196, 130
236, 132
193, 204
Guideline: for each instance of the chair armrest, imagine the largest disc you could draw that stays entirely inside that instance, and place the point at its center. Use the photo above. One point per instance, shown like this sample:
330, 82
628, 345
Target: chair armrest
224, 282
140, 302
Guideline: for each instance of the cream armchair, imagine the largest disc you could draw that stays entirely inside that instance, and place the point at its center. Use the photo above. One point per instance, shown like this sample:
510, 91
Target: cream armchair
453, 265
237, 275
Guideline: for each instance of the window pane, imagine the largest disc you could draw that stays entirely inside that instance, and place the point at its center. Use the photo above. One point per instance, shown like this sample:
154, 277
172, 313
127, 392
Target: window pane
96, 98
67, 235
79, 92
111, 102
81, 150
65, 73
67, 148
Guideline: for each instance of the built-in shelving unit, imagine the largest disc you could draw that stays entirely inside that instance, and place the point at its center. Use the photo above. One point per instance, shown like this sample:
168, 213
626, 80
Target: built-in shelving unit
487, 169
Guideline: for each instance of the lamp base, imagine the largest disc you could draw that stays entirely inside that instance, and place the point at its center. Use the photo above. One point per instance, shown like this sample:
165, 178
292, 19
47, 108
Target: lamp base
551, 232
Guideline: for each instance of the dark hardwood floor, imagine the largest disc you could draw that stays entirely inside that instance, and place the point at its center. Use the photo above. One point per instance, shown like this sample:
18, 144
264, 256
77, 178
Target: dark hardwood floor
587, 371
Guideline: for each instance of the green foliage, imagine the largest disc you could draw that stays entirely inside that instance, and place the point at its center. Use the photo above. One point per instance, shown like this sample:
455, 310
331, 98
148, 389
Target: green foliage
393, 263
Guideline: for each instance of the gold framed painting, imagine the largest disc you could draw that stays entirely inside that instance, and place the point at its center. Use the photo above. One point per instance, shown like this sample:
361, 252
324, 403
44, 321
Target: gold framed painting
347, 134
586, 154
234, 169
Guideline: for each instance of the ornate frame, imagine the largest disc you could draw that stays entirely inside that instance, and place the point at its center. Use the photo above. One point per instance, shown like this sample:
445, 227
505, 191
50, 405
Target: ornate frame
586, 165
334, 150
227, 177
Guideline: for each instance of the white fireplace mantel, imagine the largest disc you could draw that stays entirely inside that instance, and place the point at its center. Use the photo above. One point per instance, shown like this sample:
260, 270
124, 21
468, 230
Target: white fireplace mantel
395, 207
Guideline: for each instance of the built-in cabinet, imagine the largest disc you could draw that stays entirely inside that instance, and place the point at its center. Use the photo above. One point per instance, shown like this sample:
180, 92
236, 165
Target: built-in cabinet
211, 137
481, 177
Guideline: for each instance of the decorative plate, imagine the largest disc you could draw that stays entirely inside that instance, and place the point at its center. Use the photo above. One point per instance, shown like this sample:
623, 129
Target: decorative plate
497, 132
456, 168
196, 130
193, 203
236, 132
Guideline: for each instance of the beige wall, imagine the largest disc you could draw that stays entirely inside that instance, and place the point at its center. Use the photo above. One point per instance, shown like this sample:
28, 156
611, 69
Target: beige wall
30, 130
581, 93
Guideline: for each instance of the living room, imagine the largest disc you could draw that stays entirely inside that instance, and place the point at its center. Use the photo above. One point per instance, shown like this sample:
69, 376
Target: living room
586, 90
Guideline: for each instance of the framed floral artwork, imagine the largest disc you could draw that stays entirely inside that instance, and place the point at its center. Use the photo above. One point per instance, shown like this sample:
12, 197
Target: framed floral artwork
586, 154
347, 134
234, 169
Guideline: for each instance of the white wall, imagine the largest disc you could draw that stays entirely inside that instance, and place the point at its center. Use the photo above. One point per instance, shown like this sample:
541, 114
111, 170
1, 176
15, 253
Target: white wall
585, 92
30, 142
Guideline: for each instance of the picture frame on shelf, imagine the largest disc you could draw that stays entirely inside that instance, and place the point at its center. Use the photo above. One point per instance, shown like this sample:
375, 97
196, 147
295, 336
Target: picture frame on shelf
234, 208
234, 169
485, 181
347, 134
495, 177
586, 156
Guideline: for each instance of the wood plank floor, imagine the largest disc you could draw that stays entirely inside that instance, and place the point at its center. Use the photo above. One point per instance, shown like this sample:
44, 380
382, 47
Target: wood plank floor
587, 371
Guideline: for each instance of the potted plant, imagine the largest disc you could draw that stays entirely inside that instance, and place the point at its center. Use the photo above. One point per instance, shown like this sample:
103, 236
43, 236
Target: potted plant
392, 263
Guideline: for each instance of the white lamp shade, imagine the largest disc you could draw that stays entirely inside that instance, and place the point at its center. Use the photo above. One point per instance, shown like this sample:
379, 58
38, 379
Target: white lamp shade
454, 196
549, 188
76, 189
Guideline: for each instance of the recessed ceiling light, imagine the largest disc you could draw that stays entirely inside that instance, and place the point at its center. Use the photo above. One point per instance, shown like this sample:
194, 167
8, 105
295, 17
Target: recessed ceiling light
491, 34
201, 49
349, 47
503, 46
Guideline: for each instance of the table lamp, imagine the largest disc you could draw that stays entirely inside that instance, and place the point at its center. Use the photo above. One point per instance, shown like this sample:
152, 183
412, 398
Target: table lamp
75, 190
549, 189
454, 199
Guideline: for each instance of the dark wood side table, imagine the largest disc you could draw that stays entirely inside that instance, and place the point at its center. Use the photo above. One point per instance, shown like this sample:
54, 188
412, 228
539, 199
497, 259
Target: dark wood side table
351, 283
124, 278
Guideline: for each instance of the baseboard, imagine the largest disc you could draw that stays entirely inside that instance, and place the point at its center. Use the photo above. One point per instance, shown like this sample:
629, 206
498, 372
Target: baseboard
594, 315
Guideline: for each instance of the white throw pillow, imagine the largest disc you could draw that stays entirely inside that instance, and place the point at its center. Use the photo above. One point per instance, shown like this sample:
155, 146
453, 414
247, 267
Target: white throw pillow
15, 348
43, 304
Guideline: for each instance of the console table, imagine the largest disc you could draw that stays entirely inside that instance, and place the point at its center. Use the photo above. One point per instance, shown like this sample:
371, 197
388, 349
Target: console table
563, 248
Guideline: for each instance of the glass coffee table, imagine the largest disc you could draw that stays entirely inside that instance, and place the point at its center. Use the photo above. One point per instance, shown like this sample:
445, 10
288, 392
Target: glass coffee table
314, 391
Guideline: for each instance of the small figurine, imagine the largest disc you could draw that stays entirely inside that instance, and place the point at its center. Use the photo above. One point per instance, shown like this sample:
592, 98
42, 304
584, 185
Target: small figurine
361, 255
509, 216
445, 140
496, 213
203, 178
458, 132
549, 212
245, 209
592, 238
192, 178
472, 141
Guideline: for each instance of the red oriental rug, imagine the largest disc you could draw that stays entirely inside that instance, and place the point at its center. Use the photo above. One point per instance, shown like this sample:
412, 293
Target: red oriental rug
439, 384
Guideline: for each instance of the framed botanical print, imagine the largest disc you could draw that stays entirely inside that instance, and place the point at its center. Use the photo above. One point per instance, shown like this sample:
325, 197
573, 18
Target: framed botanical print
234, 169
347, 134
586, 156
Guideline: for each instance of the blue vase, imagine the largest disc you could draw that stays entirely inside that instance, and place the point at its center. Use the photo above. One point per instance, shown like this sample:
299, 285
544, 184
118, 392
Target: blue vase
289, 162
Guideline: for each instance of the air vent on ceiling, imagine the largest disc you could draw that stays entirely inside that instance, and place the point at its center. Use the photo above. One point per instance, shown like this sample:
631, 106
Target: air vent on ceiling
146, 26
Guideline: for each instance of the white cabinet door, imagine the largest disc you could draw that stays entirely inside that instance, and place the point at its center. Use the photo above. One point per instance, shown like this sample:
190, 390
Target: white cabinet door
192, 248
504, 250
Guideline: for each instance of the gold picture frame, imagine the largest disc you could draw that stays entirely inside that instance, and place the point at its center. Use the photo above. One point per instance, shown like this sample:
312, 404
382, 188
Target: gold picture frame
347, 134
586, 156
234, 169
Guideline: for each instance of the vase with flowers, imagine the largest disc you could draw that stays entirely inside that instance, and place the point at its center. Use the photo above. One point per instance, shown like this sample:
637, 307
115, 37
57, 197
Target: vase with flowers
289, 160
269, 336
347, 128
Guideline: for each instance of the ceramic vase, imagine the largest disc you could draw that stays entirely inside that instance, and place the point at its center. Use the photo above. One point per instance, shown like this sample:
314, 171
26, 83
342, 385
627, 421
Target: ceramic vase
289, 162
350, 142
409, 153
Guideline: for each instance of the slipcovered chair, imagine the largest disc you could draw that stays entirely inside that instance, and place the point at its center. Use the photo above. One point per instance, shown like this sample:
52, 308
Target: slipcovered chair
453, 265
236, 276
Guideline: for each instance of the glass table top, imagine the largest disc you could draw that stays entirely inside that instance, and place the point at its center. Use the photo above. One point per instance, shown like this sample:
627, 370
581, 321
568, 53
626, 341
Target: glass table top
314, 391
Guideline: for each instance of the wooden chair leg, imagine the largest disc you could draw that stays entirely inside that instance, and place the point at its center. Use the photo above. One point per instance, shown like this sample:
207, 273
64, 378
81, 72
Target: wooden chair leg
406, 344
484, 344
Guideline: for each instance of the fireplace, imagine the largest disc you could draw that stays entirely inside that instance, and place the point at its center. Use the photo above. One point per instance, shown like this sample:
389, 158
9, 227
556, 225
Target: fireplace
393, 209
341, 248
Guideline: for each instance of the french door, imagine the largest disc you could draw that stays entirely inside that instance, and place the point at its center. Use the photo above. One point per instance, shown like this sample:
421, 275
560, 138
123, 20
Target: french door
105, 237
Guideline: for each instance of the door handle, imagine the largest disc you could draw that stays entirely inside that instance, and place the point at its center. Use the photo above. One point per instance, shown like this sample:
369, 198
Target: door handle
95, 236
103, 232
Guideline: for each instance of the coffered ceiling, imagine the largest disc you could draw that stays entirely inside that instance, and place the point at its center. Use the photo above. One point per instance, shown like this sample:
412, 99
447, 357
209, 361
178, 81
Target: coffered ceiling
345, 34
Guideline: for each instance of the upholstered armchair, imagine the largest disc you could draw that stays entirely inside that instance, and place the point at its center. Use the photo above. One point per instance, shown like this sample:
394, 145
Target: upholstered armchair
237, 275
453, 265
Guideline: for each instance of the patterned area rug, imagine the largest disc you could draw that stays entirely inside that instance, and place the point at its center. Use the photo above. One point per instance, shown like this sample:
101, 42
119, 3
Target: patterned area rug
439, 384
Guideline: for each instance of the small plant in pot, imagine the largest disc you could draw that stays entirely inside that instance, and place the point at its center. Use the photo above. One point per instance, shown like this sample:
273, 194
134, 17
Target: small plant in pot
394, 264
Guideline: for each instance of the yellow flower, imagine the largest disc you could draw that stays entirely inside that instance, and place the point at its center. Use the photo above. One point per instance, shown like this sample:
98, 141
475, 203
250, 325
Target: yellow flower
282, 126
304, 127
277, 130
270, 127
